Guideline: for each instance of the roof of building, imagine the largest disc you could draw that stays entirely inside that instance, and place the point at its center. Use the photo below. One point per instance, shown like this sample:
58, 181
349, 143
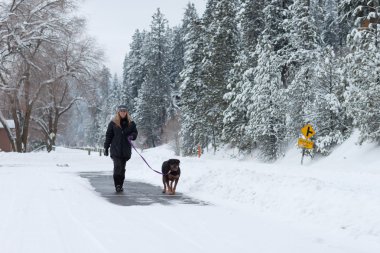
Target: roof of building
10, 123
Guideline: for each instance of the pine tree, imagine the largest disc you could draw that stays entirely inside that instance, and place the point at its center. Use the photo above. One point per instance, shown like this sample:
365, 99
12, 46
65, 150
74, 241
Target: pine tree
115, 94
101, 109
220, 56
235, 116
146, 115
303, 49
192, 90
263, 84
252, 23
332, 30
175, 65
134, 70
363, 71
329, 115
267, 83
267, 111
155, 94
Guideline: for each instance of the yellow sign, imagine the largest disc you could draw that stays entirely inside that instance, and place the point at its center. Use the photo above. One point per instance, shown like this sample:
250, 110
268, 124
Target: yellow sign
307, 131
302, 143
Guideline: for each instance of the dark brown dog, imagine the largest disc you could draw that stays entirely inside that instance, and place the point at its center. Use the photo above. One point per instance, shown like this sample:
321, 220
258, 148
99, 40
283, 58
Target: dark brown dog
170, 174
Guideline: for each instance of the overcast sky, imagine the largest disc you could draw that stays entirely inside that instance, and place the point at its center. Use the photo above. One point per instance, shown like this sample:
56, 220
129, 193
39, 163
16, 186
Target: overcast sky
113, 22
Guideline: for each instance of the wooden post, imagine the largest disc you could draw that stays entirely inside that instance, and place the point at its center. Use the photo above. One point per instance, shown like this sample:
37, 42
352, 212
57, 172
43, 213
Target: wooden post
199, 151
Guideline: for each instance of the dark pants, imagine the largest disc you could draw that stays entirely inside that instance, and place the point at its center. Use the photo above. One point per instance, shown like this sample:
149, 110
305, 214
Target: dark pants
119, 170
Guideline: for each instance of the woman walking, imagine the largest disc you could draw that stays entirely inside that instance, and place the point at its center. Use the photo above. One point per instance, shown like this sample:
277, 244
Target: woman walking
121, 130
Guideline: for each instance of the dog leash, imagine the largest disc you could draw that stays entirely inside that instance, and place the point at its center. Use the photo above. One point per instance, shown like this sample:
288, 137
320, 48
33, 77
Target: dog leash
133, 146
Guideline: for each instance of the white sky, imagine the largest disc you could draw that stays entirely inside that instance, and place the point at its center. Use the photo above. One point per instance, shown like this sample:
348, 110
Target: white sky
113, 22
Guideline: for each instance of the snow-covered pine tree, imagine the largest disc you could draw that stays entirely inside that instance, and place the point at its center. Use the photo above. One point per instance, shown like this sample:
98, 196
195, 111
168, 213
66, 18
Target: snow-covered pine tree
363, 70
220, 55
192, 90
320, 93
350, 10
172, 126
104, 106
329, 114
175, 66
252, 23
347, 11
134, 69
115, 93
93, 116
176, 62
303, 50
146, 113
266, 111
332, 29
235, 116
155, 93
265, 86
209, 12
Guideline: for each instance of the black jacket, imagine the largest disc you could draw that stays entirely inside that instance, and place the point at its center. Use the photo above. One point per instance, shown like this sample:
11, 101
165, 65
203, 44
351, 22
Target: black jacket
117, 138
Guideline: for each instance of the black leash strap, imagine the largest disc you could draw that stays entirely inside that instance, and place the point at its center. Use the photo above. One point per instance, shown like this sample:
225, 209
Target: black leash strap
133, 146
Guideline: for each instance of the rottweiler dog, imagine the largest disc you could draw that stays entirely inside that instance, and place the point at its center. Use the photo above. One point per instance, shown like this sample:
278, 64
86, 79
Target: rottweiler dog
170, 174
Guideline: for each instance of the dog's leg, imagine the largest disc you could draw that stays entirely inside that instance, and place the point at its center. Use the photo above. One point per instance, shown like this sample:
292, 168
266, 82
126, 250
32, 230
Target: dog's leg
169, 186
164, 182
175, 185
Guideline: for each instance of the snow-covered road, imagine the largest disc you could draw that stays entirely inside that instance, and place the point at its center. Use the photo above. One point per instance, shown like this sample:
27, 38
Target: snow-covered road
47, 206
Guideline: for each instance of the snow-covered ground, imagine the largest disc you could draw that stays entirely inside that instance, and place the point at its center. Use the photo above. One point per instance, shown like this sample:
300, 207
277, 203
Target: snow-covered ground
328, 205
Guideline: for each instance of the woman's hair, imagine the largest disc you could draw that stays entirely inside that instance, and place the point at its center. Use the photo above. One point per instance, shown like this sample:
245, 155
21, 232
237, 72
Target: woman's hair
117, 119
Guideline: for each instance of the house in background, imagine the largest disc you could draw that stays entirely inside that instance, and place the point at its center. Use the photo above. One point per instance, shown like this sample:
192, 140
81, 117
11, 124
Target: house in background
5, 145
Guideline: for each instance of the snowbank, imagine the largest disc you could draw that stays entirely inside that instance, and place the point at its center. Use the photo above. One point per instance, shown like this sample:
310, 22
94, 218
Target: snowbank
337, 195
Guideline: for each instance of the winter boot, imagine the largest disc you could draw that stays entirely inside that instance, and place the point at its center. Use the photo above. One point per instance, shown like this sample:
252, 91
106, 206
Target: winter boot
119, 188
